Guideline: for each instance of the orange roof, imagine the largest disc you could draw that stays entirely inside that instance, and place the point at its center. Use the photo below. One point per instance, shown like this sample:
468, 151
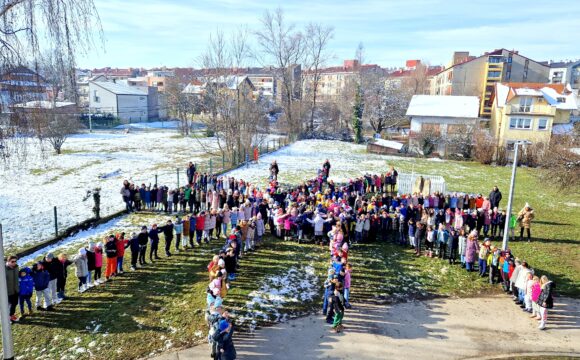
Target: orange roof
536, 86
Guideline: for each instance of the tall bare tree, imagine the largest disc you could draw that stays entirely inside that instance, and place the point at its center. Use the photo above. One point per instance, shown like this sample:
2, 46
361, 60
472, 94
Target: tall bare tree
419, 79
385, 103
284, 46
316, 55
234, 114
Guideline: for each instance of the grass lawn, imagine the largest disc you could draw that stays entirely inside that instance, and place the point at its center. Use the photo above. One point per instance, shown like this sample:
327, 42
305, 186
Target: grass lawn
160, 306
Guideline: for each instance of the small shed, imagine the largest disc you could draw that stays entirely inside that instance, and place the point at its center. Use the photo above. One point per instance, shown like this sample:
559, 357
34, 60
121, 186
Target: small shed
381, 146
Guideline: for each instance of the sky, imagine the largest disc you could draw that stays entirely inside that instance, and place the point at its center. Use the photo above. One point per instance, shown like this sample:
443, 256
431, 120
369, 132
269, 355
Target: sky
174, 33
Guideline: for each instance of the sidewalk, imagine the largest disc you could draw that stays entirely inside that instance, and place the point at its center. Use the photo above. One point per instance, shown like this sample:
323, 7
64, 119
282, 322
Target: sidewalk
436, 329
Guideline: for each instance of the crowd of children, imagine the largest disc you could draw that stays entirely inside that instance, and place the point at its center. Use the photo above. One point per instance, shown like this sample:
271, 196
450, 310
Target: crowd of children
338, 215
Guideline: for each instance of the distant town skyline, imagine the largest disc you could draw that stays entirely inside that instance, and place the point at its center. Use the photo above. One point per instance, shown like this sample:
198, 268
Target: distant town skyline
174, 33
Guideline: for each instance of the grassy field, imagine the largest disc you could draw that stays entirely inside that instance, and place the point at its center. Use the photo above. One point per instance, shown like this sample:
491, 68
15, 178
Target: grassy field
160, 307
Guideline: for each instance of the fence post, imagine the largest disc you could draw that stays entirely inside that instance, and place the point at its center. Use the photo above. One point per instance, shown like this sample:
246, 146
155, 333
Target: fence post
55, 223
279, 143
7, 341
177, 171
223, 162
267, 142
155, 179
210, 166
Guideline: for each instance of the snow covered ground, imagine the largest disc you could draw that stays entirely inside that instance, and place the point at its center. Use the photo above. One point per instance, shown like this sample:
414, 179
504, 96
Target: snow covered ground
31, 189
302, 159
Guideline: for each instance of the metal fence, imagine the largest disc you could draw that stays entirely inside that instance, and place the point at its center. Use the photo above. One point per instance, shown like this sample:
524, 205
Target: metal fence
405, 183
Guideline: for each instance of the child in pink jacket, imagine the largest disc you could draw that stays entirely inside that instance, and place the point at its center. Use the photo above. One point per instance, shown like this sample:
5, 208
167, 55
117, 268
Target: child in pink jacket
346, 286
536, 290
98, 263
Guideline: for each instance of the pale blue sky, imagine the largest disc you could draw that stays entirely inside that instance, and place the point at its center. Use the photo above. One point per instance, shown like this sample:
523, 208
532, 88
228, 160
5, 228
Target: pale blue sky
152, 33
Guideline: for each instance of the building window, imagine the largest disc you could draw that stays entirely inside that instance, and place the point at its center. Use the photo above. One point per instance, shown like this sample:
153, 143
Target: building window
525, 104
493, 74
495, 59
508, 75
542, 124
561, 99
520, 123
96, 97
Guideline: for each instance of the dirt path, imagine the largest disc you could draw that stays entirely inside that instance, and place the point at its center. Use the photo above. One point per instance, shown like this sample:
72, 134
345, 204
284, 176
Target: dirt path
437, 329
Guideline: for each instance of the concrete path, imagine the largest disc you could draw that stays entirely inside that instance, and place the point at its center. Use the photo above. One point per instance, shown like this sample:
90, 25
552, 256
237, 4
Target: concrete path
437, 329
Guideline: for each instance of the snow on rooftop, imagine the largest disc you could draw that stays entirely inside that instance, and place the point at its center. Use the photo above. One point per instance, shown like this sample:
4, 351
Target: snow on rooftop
389, 144
527, 92
43, 104
119, 89
444, 106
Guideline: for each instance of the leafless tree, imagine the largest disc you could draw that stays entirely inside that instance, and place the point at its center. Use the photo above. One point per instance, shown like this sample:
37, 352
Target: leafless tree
234, 114
317, 38
54, 126
385, 103
560, 165
284, 46
180, 105
67, 27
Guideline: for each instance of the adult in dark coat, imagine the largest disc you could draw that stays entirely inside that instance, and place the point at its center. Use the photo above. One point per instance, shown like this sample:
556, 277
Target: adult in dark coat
143, 237
190, 172
495, 197
223, 337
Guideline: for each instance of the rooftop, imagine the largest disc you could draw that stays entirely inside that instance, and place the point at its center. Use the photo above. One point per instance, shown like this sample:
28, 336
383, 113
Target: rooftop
444, 106
119, 89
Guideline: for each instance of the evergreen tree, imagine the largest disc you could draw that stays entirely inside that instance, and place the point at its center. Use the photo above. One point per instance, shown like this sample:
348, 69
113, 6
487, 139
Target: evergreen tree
358, 108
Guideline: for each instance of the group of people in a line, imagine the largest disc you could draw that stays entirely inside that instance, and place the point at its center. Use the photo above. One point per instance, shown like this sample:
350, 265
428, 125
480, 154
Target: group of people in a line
364, 209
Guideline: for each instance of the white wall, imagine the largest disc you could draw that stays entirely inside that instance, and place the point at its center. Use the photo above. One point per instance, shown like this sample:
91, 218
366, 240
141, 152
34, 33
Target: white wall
107, 100
132, 108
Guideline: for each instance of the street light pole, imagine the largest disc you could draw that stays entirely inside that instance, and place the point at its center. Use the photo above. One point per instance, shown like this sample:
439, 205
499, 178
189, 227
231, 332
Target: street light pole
7, 342
504, 245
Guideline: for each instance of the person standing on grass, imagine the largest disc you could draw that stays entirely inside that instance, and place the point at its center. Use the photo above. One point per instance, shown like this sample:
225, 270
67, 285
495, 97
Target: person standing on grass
190, 172
63, 263
122, 244
111, 253
143, 238
525, 217
82, 269
12, 285
178, 228
274, 170
98, 263
495, 197
126, 195
50, 265
154, 242
134, 247
26, 284
41, 279
90, 262
471, 249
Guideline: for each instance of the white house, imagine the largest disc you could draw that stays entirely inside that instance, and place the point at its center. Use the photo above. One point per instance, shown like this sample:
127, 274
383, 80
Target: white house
443, 116
130, 104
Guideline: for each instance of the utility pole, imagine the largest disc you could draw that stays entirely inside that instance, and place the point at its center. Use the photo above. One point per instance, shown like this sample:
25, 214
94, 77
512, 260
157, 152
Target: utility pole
90, 121
7, 342
506, 229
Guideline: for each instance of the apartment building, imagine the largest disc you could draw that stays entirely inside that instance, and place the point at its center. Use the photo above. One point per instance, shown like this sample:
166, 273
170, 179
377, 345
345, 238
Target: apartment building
477, 76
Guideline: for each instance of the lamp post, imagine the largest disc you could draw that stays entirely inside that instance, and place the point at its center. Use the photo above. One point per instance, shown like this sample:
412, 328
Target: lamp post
7, 343
504, 245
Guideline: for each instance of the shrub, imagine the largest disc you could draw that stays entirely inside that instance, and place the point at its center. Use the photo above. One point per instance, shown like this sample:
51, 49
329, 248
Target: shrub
484, 148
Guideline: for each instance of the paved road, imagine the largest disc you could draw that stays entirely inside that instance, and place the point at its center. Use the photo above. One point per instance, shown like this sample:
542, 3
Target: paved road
437, 329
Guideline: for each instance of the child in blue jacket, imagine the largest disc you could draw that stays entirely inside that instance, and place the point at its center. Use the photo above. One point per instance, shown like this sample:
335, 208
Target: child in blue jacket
41, 279
26, 288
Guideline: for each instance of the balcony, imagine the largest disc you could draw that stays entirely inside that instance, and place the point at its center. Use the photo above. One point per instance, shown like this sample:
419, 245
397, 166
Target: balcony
542, 110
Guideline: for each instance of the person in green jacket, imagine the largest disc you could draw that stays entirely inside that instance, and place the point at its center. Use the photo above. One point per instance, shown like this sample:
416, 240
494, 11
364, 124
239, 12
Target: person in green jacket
512, 225
188, 198
12, 285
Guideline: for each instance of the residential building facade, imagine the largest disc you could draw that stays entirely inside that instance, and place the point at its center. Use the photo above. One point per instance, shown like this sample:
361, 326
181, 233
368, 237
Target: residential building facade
529, 111
478, 76
21, 84
130, 104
